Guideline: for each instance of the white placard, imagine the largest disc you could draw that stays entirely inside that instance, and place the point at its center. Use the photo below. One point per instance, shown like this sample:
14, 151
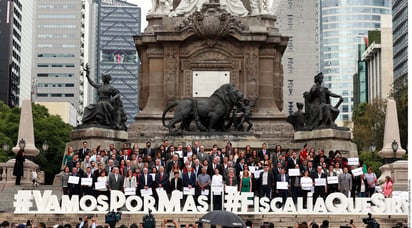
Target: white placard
357, 172
252, 168
257, 173
130, 191
294, 172
146, 192
204, 83
188, 191
159, 190
100, 185
320, 181
333, 180
306, 182
153, 176
282, 185
87, 181
205, 192
73, 180
230, 189
180, 153
353, 161
184, 159
217, 188
179, 193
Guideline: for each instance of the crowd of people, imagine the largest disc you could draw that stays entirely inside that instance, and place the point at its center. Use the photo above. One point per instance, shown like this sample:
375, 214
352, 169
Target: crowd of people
270, 173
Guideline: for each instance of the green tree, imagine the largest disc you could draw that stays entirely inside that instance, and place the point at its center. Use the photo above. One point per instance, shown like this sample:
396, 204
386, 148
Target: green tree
369, 125
46, 127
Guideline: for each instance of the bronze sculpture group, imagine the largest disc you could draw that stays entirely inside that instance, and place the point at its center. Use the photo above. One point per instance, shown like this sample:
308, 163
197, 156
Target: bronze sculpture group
319, 112
225, 108
108, 111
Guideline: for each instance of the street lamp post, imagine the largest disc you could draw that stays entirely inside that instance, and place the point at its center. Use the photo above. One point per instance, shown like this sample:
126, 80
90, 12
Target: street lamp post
394, 148
45, 146
373, 148
22, 144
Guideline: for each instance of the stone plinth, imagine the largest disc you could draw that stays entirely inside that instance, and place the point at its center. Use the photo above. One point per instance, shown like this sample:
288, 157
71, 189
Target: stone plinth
8, 180
398, 171
328, 139
96, 136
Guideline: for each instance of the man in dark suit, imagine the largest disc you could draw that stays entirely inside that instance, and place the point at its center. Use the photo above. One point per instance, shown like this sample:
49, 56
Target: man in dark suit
145, 180
240, 167
282, 177
74, 189
83, 151
266, 182
189, 178
319, 190
214, 165
293, 161
88, 190
162, 179
176, 183
115, 180
148, 151
263, 152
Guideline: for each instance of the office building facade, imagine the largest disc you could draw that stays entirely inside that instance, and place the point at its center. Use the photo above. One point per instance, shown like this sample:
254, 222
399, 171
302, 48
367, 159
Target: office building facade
298, 19
400, 38
11, 17
115, 52
379, 59
58, 52
342, 23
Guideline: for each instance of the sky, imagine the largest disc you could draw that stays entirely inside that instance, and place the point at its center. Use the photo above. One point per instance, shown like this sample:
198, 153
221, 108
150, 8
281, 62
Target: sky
145, 5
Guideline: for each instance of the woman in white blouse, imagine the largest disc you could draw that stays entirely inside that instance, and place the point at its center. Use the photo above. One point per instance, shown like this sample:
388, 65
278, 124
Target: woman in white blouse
130, 181
102, 179
217, 180
337, 169
305, 188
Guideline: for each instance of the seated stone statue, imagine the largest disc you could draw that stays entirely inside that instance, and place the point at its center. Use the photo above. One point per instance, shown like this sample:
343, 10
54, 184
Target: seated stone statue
160, 7
108, 111
317, 104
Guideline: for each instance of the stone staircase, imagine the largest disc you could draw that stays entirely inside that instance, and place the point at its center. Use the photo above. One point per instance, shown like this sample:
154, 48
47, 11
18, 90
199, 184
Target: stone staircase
279, 220
7, 195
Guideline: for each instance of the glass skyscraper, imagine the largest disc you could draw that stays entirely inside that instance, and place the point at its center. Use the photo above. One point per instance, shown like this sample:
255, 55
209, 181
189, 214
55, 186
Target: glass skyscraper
343, 22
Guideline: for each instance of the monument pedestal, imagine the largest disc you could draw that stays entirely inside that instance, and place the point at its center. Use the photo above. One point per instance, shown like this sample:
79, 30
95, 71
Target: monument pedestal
329, 139
8, 180
398, 171
94, 136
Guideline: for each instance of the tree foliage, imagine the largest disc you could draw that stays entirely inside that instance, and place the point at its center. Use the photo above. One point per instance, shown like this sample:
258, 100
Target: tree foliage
369, 125
372, 161
46, 127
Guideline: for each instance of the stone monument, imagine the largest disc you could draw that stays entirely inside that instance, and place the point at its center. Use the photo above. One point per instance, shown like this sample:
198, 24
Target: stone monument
398, 170
26, 134
200, 45
316, 126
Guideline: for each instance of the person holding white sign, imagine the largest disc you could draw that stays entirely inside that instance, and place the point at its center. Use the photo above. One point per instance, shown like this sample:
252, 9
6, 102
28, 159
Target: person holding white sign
231, 179
320, 189
345, 182
282, 185
217, 188
101, 184
203, 181
306, 184
130, 180
176, 183
74, 183
332, 180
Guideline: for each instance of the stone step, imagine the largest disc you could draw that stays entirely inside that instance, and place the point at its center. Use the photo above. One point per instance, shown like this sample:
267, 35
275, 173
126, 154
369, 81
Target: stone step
279, 220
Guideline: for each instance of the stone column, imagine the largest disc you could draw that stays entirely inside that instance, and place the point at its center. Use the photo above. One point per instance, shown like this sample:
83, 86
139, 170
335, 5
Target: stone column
26, 131
391, 132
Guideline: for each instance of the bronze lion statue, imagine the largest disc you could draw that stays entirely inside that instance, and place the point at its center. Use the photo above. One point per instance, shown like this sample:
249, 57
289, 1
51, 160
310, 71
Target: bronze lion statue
209, 114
